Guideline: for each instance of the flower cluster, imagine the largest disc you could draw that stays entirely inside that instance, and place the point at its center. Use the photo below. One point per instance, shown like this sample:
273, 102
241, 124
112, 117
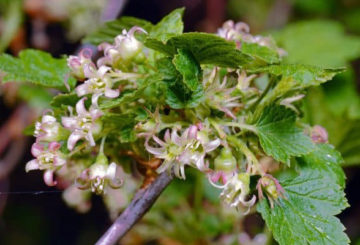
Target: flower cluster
85, 124
240, 32
178, 151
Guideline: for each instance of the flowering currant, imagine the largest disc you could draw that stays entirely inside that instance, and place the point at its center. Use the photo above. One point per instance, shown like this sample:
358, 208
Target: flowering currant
85, 124
49, 159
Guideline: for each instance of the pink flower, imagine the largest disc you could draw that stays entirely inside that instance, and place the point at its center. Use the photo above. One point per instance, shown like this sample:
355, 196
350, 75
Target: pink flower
98, 176
99, 82
125, 48
177, 151
49, 159
85, 124
319, 134
78, 63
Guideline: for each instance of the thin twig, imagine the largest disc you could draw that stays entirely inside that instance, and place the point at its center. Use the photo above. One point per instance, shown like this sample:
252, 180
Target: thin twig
141, 203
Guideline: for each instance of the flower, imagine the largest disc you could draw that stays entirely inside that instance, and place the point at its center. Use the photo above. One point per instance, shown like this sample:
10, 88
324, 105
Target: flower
236, 190
49, 159
240, 32
85, 124
48, 129
99, 82
219, 97
125, 48
272, 188
177, 151
319, 134
78, 63
99, 175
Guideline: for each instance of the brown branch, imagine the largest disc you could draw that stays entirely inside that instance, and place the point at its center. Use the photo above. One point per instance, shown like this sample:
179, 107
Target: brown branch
141, 203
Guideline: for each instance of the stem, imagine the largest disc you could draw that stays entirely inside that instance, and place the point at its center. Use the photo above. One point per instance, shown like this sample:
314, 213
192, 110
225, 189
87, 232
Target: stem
141, 203
240, 125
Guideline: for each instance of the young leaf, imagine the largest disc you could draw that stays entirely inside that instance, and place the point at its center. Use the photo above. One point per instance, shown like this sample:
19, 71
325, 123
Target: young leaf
306, 216
111, 29
279, 136
206, 48
37, 67
171, 25
181, 91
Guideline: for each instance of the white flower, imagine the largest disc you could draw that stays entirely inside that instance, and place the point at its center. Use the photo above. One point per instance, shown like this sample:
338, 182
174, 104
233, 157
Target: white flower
125, 48
236, 190
177, 151
48, 129
98, 176
78, 63
49, 159
99, 82
85, 124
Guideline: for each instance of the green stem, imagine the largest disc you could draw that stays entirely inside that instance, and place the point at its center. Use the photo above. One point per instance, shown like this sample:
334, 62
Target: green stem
240, 125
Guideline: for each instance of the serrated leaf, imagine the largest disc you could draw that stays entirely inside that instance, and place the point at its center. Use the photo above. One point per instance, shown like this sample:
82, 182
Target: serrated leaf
111, 29
279, 136
306, 216
171, 25
37, 67
206, 48
303, 76
188, 67
327, 160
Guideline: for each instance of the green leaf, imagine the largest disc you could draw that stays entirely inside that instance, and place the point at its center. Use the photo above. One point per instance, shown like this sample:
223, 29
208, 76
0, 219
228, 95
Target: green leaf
37, 67
279, 136
327, 160
306, 216
171, 25
188, 68
302, 76
35, 96
309, 42
206, 49
64, 100
180, 91
111, 29
131, 95
262, 53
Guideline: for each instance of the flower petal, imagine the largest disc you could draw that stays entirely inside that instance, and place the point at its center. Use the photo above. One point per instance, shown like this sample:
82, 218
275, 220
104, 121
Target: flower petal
112, 93
53, 146
111, 171
37, 149
212, 145
49, 178
80, 106
32, 165
69, 122
73, 139
82, 89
